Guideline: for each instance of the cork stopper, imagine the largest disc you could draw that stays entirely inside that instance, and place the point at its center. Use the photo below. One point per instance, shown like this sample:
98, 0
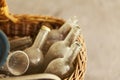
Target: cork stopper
45, 28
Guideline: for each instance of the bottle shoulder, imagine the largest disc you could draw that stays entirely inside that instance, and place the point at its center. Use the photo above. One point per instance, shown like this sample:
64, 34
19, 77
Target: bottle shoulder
59, 49
58, 46
55, 34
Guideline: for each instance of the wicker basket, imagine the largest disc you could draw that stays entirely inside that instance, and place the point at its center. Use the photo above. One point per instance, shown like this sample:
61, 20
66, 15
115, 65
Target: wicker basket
24, 25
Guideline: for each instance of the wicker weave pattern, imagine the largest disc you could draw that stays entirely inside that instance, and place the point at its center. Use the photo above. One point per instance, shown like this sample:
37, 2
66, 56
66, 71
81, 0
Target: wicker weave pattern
30, 24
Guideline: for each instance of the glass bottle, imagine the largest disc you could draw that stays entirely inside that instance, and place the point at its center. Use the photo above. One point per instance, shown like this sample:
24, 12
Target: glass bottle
31, 59
60, 48
59, 34
4, 48
63, 67
20, 43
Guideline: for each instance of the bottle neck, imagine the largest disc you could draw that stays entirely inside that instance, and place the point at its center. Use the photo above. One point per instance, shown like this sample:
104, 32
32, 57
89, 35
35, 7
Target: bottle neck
72, 35
65, 28
74, 50
41, 38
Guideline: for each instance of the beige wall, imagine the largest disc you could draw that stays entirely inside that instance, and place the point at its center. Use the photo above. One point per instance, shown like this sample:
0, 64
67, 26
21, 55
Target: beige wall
100, 22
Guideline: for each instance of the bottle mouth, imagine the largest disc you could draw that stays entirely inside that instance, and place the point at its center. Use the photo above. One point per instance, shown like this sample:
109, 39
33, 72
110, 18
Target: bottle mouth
18, 63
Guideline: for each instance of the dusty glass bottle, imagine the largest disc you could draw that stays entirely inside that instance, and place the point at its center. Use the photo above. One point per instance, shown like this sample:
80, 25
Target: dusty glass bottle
59, 49
63, 67
59, 34
31, 59
20, 43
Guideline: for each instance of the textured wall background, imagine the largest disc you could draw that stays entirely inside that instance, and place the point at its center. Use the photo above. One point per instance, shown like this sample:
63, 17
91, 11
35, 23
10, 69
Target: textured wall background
100, 22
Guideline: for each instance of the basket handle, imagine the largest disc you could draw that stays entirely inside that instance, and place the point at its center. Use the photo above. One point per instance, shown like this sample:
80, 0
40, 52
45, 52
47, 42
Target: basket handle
4, 11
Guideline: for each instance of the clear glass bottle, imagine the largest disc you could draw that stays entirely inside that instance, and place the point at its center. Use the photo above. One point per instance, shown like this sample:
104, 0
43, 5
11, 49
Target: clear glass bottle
60, 48
31, 59
59, 34
63, 67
